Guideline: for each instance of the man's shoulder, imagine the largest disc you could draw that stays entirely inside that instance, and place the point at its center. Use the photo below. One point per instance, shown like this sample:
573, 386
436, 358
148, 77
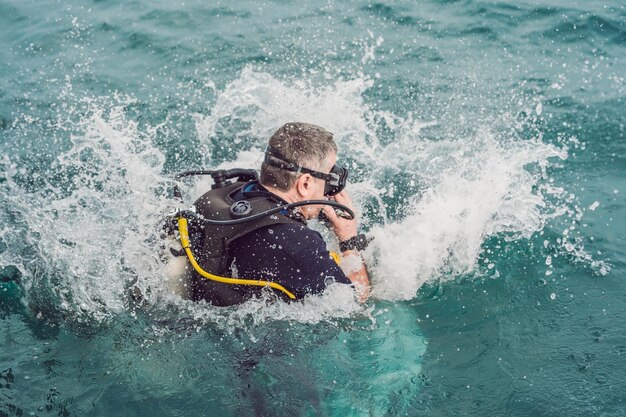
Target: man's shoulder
290, 237
286, 231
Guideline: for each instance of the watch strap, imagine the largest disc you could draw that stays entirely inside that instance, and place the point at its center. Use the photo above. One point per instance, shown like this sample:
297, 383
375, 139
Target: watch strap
358, 242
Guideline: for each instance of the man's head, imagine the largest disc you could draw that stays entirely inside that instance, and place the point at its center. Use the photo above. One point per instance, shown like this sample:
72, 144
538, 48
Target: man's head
298, 162
302, 144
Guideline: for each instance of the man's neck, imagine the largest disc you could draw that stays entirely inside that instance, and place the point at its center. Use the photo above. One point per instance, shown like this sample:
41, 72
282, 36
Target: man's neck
288, 196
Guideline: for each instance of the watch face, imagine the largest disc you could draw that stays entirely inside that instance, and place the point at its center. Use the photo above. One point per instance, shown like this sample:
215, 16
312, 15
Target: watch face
360, 242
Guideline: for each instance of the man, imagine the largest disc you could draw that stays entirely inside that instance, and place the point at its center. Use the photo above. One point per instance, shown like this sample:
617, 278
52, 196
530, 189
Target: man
297, 167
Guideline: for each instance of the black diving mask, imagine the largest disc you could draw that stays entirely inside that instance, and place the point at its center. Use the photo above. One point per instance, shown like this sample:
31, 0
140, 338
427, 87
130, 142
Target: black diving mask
335, 179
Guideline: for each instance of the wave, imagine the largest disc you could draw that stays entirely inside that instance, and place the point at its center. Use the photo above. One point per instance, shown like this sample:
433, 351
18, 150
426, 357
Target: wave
593, 29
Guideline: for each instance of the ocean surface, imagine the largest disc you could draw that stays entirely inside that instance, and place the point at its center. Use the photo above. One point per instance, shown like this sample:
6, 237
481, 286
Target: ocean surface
487, 152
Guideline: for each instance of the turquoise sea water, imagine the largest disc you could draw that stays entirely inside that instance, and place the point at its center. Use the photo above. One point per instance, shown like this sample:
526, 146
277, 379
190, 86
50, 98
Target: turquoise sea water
486, 145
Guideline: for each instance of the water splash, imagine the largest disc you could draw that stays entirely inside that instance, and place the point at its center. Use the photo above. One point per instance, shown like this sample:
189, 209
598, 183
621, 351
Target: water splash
482, 189
430, 202
251, 108
86, 231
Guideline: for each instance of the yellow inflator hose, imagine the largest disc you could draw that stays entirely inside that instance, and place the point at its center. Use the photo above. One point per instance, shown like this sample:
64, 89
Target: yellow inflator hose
185, 243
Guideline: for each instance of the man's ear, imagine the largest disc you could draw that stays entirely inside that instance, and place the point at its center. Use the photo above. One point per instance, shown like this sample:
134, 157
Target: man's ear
303, 185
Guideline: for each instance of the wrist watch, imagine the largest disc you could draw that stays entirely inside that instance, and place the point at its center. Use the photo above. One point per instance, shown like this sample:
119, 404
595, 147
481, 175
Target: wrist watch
358, 242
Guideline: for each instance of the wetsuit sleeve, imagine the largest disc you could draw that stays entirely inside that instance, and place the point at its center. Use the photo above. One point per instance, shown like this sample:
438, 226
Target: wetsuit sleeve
291, 255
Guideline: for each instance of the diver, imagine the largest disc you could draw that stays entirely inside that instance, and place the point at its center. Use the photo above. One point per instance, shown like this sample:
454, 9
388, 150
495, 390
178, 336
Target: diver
250, 236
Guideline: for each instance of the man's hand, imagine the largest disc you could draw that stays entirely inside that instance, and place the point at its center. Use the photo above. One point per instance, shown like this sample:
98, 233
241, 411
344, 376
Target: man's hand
343, 228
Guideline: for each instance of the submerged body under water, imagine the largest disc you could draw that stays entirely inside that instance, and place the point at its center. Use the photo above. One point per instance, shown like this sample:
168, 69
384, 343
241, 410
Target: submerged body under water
485, 143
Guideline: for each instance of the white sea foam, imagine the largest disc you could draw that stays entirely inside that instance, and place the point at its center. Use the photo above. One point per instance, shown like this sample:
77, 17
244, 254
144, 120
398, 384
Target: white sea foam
337, 302
482, 190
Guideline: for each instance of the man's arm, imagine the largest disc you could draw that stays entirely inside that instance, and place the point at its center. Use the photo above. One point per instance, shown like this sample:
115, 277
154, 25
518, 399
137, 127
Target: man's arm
352, 262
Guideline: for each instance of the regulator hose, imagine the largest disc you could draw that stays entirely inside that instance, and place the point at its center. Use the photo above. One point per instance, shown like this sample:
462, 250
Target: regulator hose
277, 209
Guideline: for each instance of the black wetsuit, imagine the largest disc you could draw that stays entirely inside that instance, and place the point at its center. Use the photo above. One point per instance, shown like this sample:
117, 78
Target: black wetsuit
289, 254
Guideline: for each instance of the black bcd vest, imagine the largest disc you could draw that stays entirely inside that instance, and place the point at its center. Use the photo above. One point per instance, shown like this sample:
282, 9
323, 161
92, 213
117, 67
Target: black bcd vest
210, 243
